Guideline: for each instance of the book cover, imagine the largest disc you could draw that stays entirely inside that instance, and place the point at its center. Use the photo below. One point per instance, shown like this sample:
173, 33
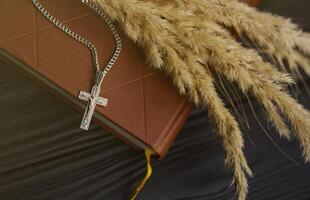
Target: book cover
144, 109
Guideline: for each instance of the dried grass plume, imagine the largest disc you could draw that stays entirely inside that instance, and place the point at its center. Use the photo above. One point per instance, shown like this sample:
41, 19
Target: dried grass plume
191, 41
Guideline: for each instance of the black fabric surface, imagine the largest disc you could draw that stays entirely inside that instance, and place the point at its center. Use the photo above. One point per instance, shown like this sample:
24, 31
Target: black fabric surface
45, 156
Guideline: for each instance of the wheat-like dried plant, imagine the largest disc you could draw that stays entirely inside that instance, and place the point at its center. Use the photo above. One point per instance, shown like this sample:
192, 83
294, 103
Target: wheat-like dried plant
191, 41
278, 37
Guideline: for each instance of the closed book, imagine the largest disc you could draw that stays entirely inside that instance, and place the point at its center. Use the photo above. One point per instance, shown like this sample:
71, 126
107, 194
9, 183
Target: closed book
144, 108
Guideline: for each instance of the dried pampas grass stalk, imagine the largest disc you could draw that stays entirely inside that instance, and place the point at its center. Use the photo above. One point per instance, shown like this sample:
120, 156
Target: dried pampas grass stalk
278, 37
189, 40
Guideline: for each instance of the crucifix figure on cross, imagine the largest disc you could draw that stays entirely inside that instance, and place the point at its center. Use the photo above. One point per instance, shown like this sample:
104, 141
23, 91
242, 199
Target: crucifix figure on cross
93, 99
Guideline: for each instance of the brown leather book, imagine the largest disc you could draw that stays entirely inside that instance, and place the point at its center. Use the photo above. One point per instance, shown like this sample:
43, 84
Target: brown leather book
252, 2
144, 107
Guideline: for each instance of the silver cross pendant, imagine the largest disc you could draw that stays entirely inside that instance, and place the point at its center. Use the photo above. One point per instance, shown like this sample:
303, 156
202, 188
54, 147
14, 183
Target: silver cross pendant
93, 99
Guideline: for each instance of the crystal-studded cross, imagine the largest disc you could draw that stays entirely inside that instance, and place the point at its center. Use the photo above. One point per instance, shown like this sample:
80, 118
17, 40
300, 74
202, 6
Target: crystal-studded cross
93, 99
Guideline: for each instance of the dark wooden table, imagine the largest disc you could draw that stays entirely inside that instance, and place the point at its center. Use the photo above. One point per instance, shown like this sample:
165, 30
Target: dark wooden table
45, 156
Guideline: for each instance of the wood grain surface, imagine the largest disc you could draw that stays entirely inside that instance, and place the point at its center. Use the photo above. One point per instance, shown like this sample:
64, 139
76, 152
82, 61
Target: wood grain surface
45, 156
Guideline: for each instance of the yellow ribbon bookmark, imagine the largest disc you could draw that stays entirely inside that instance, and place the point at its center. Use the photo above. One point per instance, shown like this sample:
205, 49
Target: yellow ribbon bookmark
148, 155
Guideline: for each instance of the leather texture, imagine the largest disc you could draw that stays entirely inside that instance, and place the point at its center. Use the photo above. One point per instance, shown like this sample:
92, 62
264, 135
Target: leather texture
252, 2
141, 101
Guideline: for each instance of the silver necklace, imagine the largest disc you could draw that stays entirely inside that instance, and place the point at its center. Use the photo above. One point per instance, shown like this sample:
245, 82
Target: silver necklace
93, 97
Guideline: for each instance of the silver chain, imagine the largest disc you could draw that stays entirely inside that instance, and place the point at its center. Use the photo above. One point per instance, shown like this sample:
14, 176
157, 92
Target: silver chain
83, 40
